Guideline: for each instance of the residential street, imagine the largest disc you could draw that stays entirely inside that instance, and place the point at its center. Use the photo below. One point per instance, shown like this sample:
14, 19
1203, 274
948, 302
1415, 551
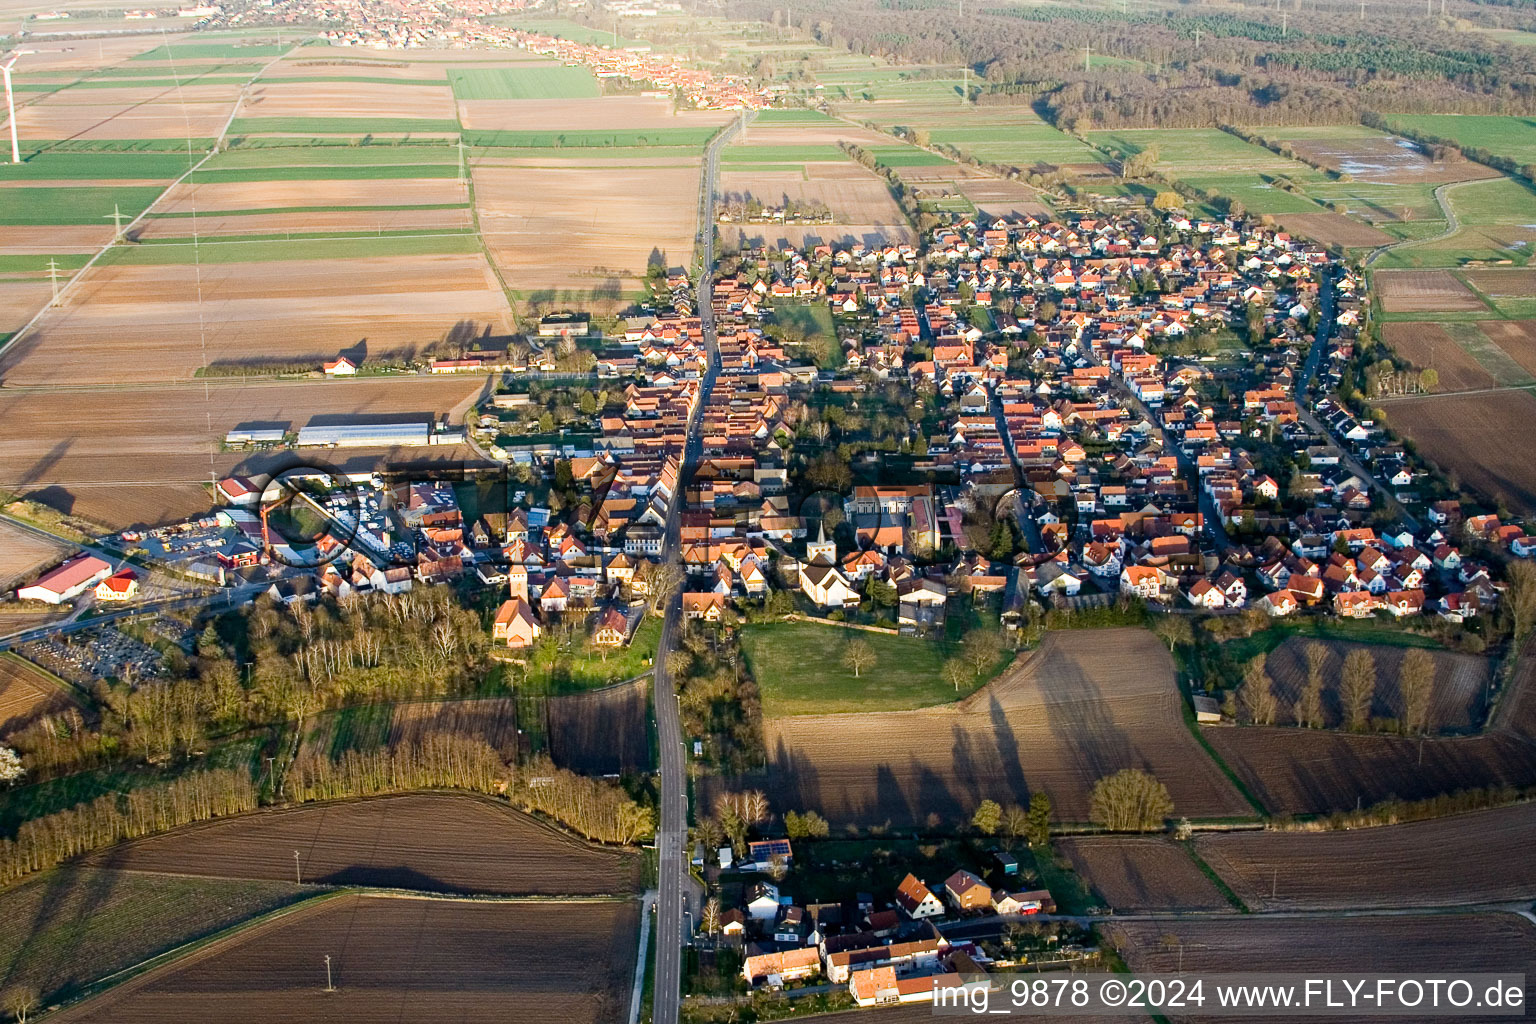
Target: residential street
672, 833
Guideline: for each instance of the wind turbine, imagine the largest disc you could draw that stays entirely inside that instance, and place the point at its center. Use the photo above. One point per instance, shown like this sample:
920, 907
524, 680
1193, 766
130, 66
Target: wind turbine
10, 104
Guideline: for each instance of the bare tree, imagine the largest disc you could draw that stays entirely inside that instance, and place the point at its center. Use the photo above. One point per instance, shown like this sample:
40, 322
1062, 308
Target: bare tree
1257, 696
665, 579
955, 672
20, 1001
1416, 681
1309, 706
1357, 687
709, 917
981, 648
1173, 630
858, 655
1520, 599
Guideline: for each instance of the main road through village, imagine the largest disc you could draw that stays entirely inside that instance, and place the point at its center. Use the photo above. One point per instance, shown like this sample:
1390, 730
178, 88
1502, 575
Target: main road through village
672, 835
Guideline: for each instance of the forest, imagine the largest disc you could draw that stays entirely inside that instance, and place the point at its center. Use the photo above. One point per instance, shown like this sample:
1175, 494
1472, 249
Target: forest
1174, 68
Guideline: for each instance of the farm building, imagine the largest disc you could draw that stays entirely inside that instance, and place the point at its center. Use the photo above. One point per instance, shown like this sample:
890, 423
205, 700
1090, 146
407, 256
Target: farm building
237, 490
365, 435
123, 586
67, 581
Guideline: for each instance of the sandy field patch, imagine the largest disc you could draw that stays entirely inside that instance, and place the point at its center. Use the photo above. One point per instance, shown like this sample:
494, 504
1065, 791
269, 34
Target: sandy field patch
550, 229
20, 300
344, 67
160, 119
1428, 346
89, 54
1464, 436
270, 195
811, 133
1083, 706
177, 318
382, 221
1516, 337
854, 199
1479, 857
398, 959
1142, 873
737, 236
632, 113
1417, 291
1385, 160
348, 99
144, 456
1333, 229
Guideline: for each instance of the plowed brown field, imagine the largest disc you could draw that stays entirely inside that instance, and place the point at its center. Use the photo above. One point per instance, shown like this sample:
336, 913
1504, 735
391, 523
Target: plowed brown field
602, 732
398, 959
348, 99
1142, 873
1083, 706
382, 221
1464, 437
429, 842
1334, 229
207, 198
25, 693
177, 318
1413, 291
1375, 945
1457, 693
1516, 337
1481, 857
123, 457
1428, 346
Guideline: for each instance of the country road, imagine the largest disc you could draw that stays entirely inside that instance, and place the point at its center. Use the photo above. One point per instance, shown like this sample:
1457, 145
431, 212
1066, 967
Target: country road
672, 836
1452, 225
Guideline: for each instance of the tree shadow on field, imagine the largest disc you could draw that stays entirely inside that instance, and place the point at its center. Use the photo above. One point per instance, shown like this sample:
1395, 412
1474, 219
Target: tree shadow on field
1007, 748
46, 951
791, 780
386, 876
1077, 716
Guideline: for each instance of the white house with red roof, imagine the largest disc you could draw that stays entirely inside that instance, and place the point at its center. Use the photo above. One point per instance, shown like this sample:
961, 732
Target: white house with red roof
66, 582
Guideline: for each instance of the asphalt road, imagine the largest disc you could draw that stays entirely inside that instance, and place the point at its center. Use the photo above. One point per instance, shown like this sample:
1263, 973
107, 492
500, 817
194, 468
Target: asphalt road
672, 836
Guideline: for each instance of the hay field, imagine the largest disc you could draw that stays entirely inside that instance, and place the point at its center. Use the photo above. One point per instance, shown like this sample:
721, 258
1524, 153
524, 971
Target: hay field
1481, 857
1387, 945
1516, 338
348, 99
198, 111
1430, 346
1456, 704
1142, 873
601, 732
51, 239
426, 841
26, 693
1418, 291
1085, 705
1458, 438
398, 959
23, 553
586, 229
149, 461
177, 318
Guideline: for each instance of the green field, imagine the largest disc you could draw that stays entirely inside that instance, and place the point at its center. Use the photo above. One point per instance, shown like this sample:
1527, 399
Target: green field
341, 125
908, 156
602, 138
269, 250
323, 172
792, 116
1020, 144
435, 83
538, 82
750, 154
1200, 151
53, 165
1498, 222
11, 264
1513, 137
799, 670
73, 205
586, 666
562, 28
206, 51
333, 156
813, 322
